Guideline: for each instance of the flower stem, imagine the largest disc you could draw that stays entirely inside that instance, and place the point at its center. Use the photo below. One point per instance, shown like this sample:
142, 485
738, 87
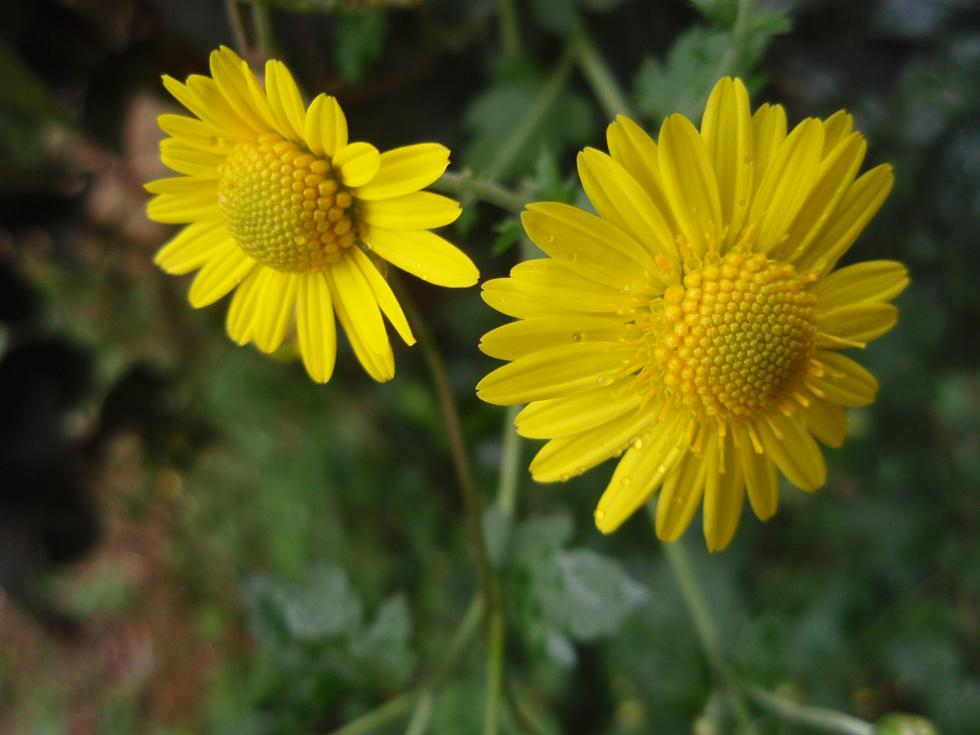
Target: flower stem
680, 565
510, 34
466, 184
510, 464
736, 48
264, 38
234, 14
817, 718
599, 76
374, 720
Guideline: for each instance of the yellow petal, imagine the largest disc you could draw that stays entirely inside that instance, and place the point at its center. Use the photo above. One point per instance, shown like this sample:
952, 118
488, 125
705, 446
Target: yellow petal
844, 381
619, 199
689, 182
360, 317
826, 420
640, 473
563, 458
315, 326
384, 296
177, 209
634, 150
786, 184
529, 335
861, 322
419, 211
874, 280
503, 295
727, 132
683, 490
572, 415
275, 309
191, 248
227, 267
285, 101
768, 133
833, 177
201, 96
184, 159
423, 254
836, 128
325, 126
724, 492
226, 70
761, 479
241, 313
358, 163
565, 291
793, 450
193, 186
192, 133
589, 246
405, 170
862, 200
555, 372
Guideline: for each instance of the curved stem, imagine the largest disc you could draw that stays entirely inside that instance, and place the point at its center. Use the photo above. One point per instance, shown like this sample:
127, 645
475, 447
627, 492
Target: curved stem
468, 185
377, 718
237, 27
510, 34
510, 465
706, 631
599, 76
817, 718
733, 54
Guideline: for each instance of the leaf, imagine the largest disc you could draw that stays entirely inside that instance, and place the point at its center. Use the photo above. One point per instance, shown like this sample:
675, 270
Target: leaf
720, 12
561, 16
548, 184
509, 232
495, 113
382, 649
358, 41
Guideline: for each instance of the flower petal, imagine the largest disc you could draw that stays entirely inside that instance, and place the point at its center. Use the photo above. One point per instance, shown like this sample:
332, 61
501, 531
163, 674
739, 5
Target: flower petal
727, 132
191, 248
358, 163
560, 459
419, 211
786, 184
241, 313
275, 309
226, 70
589, 245
523, 337
844, 381
683, 489
178, 209
555, 372
640, 473
836, 128
423, 254
285, 101
871, 281
185, 159
563, 290
793, 449
315, 326
861, 322
768, 133
634, 150
405, 170
689, 182
761, 479
826, 420
227, 267
558, 417
384, 296
325, 126
724, 493
359, 315
619, 199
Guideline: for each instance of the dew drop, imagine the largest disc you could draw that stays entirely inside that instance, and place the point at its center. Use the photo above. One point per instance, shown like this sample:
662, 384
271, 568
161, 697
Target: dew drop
576, 337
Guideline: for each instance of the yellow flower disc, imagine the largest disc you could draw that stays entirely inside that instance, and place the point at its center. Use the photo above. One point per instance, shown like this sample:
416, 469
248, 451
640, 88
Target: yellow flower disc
284, 206
736, 337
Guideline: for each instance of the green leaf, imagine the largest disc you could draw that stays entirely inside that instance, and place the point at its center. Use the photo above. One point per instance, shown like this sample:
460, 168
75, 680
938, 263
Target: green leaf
509, 232
682, 82
901, 724
561, 16
720, 12
382, 649
548, 184
358, 41
496, 112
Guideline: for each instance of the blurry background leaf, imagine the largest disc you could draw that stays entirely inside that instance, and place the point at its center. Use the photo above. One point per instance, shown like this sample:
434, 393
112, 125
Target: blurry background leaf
358, 40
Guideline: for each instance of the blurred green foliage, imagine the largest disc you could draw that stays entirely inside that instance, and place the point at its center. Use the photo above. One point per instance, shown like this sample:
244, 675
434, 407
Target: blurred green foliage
312, 547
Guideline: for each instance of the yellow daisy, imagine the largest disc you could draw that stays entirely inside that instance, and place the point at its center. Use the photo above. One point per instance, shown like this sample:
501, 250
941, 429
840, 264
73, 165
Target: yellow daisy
693, 326
279, 204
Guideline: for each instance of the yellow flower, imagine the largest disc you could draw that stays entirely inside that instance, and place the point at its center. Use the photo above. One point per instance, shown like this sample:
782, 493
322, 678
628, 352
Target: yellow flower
695, 325
279, 204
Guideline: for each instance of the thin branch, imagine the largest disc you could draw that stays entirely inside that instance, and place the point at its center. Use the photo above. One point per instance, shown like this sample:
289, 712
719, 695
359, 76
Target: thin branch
468, 185
736, 48
510, 32
817, 718
599, 76
234, 14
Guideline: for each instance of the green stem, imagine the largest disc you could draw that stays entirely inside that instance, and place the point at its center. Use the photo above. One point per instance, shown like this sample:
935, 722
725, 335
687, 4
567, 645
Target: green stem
234, 14
532, 118
466, 184
705, 628
510, 464
733, 54
510, 34
374, 720
599, 76
817, 718
495, 674
265, 40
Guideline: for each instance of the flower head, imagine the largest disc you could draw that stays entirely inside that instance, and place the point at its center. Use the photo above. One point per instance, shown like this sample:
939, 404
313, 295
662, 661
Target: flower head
694, 325
283, 210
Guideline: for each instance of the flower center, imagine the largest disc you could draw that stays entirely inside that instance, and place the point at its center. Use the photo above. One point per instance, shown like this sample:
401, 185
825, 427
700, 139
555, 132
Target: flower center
736, 336
284, 206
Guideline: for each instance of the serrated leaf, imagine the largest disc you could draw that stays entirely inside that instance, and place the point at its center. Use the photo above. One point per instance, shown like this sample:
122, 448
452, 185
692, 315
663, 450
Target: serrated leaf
547, 183
383, 647
358, 41
720, 12
509, 232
